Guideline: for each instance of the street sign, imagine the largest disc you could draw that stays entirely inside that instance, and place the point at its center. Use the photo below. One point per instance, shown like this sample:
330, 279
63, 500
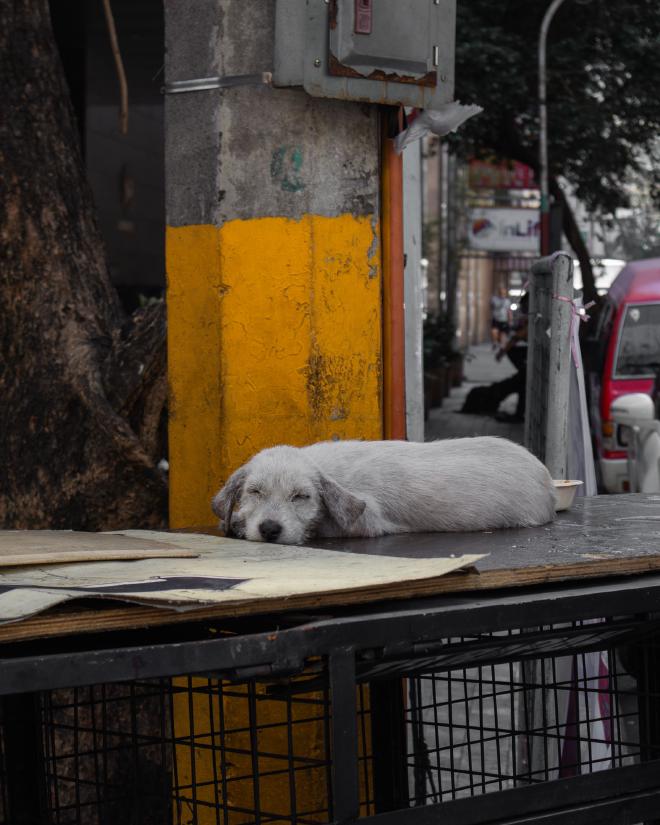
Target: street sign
484, 174
504, 230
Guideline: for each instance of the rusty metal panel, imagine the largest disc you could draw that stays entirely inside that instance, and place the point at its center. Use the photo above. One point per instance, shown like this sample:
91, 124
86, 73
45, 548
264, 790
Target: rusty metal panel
382, 51
361, 41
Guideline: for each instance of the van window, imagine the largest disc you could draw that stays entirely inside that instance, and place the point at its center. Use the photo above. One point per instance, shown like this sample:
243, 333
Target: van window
597, 346
638, 351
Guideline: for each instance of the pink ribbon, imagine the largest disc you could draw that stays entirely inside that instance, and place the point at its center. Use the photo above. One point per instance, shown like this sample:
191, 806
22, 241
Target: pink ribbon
578, 313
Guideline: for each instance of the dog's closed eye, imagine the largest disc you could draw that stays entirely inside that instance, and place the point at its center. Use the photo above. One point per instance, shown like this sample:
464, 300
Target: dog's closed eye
254, 491
298, 496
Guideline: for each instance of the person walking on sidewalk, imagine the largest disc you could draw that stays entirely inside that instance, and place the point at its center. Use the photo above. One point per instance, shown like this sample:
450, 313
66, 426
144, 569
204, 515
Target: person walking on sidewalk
500, 310
516, 350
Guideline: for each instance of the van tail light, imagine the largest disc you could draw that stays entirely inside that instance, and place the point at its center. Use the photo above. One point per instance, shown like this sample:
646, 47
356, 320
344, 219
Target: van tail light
607, 430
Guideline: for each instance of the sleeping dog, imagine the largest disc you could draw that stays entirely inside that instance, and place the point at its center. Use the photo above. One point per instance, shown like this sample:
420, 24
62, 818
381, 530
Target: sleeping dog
289, 495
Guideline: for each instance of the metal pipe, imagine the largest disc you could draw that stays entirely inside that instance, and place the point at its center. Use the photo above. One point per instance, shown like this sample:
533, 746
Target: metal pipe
394, 378
543, 129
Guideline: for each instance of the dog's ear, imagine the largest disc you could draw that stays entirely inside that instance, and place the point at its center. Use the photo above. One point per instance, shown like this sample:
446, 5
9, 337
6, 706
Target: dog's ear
223, 502
344, 507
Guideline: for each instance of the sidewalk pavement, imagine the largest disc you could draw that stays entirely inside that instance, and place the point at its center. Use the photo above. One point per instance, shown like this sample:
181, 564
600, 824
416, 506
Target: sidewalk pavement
480, 368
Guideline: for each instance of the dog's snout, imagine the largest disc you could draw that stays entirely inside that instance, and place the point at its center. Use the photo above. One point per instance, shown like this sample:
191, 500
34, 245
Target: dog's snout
270, 530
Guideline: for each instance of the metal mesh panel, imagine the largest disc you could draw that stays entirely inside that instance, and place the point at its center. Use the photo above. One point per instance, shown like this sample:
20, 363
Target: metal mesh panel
266, 752
499, 726
189, 750
107, 754
480, 714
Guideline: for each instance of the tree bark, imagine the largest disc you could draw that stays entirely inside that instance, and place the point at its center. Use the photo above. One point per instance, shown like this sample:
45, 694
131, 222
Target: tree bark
575, 239
82, 389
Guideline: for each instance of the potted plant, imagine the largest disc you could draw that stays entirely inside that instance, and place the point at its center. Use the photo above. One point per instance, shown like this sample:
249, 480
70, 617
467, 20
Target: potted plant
443, 363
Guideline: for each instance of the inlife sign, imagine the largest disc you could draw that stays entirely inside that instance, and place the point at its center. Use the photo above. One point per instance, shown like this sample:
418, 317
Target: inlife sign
504, 230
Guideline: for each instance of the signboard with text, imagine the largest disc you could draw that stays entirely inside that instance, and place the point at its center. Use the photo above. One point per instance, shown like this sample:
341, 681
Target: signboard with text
484, 174
504, 230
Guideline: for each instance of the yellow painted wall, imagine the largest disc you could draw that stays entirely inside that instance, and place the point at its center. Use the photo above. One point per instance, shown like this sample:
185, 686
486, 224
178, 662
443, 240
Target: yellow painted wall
274, 337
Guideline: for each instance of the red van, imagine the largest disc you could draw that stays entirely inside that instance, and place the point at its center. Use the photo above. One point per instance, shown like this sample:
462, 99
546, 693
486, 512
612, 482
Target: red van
623, 357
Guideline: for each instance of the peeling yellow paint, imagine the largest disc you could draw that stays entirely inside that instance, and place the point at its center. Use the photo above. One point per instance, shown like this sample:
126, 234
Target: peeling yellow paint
274, 337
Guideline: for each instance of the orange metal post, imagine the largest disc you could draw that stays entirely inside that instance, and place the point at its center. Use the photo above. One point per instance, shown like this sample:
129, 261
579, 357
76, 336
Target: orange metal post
394, 395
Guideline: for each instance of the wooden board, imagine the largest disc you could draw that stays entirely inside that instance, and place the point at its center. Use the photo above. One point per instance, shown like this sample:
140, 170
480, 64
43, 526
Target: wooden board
21, 548
225, 572
600, 537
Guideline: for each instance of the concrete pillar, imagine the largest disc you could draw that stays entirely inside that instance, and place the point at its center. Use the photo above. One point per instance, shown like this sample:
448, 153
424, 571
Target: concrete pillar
274, 302
273, 257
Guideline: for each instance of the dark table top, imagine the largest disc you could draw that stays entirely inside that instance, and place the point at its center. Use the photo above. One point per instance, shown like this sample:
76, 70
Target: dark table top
599, 529
604, 536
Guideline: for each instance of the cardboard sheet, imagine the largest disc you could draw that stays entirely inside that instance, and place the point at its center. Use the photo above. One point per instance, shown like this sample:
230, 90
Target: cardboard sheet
225, 570
39, 547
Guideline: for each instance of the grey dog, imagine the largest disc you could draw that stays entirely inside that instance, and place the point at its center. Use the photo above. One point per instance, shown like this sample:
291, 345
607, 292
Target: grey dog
289, 495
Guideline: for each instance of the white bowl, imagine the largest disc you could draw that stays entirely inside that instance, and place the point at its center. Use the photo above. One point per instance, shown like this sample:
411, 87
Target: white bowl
565, 493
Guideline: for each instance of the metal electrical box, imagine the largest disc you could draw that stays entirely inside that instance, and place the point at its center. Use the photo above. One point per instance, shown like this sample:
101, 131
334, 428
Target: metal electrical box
381, 51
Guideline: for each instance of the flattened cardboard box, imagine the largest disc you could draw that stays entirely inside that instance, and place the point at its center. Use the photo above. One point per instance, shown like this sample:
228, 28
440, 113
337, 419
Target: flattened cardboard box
215, 570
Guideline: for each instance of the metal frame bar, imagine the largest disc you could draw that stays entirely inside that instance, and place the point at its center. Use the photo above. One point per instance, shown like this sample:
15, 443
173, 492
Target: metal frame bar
388, 737
581, 800
398, 633
345, 783
24, 752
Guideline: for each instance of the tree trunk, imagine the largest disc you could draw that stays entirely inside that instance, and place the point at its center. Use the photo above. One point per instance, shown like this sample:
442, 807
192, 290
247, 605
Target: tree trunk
82, 389
575, 239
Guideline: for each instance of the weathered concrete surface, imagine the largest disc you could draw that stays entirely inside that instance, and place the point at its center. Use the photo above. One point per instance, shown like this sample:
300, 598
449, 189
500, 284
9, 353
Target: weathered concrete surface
251, 152
274, 295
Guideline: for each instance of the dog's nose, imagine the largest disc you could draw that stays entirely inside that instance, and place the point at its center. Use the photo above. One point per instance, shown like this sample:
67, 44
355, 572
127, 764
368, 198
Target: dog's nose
270, 530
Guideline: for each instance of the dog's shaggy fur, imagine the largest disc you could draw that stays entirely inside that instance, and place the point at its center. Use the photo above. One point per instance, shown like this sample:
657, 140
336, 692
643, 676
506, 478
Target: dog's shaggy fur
370, 488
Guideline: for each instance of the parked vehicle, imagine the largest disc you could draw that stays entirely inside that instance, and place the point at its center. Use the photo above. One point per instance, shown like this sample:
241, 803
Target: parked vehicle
623, 358
635, 415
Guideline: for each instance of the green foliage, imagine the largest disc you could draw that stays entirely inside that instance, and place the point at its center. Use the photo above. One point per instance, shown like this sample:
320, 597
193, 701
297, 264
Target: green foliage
637, 229
603, 74
638, 235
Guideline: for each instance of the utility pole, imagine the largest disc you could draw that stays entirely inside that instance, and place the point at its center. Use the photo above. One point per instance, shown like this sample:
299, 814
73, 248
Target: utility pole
273, 256
285, 260
543, 128
274, 278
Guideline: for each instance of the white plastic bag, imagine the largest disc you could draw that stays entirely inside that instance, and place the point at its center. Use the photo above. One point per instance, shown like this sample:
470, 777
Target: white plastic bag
436, 121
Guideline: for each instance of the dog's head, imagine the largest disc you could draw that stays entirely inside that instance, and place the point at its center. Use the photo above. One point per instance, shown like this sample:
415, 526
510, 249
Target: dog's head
281, 496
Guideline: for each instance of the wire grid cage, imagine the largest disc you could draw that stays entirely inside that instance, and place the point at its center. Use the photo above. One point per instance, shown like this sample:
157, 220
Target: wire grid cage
482, 714
266, 752
107, 754
523, 721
